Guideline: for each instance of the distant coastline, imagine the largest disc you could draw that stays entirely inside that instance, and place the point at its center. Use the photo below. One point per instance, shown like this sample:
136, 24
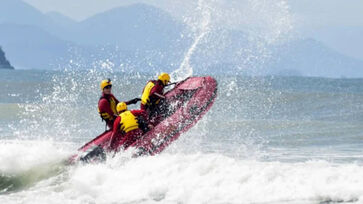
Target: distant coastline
4, 63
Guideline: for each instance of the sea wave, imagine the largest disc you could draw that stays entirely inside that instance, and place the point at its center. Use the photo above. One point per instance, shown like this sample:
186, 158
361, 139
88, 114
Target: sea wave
179, 178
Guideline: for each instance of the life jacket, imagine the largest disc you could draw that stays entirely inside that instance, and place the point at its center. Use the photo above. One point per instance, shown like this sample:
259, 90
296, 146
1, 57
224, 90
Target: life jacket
145, 98
128, 122
112, 102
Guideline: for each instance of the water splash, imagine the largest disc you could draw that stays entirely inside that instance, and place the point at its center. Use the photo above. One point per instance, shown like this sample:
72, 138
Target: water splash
201, 27
235, 38
238, 36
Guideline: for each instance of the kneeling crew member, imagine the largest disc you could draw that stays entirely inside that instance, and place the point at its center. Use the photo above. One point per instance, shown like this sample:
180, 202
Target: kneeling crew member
128, 127
153, 93
107, 103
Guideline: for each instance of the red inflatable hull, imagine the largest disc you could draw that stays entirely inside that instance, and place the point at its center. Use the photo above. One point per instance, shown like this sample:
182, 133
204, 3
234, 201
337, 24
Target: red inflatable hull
187, 102
190, 100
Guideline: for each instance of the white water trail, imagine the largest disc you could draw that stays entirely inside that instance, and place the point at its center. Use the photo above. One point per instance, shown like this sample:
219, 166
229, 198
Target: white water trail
185, 70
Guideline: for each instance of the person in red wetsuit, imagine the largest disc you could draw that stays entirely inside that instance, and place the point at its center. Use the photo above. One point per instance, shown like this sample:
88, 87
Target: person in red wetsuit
129, 126
153, 95
107, 103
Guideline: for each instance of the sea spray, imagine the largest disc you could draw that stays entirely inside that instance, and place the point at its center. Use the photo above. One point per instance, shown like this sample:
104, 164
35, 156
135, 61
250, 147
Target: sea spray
65, 104
199, 28
236, 37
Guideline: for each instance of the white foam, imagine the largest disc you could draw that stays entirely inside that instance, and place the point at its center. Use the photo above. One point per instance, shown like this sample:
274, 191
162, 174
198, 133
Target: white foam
201, 178
18, 156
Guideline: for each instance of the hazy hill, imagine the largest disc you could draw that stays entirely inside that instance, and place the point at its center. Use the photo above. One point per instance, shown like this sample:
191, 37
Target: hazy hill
30, 46
60, 20
346, 39
232, 51
18, 12
312, 58
138, 26
143, 35
146, 37
139, 35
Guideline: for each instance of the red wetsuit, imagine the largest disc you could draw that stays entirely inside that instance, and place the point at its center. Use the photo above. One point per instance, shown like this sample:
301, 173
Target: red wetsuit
125, 139
105, 105
158, 88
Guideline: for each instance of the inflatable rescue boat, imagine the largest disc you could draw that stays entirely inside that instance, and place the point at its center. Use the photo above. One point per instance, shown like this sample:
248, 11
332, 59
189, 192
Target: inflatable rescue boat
184, 105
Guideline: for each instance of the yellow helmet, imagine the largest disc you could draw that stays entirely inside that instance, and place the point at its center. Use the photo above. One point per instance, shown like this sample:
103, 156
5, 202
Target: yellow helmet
104, 83
164, 77
121, 107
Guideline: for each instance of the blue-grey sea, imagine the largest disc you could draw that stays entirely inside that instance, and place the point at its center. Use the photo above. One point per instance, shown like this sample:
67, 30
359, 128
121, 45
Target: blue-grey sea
267, 139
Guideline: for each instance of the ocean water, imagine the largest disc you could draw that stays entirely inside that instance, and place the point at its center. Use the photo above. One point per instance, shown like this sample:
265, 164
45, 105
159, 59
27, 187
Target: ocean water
265, 140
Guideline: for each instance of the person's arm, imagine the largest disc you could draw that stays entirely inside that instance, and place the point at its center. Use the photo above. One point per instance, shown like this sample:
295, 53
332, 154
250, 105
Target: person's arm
157, 91
159, 95
116, 124
115, 131
133, 101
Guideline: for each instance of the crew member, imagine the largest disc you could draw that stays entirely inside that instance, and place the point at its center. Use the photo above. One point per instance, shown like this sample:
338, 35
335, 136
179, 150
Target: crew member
128, 127
153, 94
107, 103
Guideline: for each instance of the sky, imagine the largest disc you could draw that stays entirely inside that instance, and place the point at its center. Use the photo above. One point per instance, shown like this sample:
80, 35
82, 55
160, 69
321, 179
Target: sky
336, 23
324, 20
316, 13
82, 9
309, 12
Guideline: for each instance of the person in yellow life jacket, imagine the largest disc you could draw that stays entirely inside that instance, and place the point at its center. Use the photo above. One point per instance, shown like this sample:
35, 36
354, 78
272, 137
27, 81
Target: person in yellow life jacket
153, 95
128, 127
107, 103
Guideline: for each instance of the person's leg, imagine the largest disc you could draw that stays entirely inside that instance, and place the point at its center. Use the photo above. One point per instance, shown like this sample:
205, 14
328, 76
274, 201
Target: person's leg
130, 138
116, 142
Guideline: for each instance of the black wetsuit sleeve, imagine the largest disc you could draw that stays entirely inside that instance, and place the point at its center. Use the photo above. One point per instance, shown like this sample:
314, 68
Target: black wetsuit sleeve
133, 101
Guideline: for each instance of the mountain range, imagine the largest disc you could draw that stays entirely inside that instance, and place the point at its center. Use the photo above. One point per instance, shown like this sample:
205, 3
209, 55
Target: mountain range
144, 37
